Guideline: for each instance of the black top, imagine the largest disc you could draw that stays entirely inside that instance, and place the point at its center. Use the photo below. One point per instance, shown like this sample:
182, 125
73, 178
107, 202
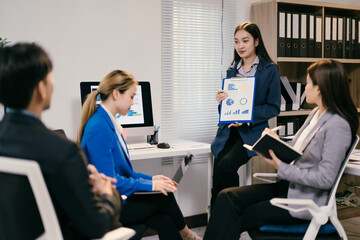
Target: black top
80, 213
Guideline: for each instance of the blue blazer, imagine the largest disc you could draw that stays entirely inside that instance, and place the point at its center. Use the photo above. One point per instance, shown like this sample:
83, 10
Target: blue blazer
313, 174
103, 149
266, 106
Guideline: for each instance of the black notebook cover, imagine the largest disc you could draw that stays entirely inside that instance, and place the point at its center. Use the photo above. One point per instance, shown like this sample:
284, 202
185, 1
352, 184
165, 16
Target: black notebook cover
281, 149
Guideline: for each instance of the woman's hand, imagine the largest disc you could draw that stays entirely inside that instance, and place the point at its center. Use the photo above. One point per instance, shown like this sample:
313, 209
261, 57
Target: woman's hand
221, 95
164, 185
268, 131
162, 177
102, 184
236, 124
274, 161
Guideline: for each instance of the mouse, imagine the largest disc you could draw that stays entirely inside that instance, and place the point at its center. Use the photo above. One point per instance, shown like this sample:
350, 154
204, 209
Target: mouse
163, 145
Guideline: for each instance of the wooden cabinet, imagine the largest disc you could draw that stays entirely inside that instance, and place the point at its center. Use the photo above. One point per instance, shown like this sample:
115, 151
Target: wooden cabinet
266, 15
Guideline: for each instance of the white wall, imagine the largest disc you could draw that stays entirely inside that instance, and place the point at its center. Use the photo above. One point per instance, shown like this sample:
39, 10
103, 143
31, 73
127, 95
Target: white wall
87, 39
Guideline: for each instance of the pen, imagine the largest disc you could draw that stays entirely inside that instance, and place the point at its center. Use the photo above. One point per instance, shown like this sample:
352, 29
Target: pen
157, 129
276, 128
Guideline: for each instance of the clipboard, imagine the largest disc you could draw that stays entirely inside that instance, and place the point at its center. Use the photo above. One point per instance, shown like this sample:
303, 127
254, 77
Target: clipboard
239, 105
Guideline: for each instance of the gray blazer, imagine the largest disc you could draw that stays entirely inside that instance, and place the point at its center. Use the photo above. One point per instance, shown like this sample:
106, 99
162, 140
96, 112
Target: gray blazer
313, 174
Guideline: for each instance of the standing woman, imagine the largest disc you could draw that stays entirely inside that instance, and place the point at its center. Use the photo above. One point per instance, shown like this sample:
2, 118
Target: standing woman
250, 59
101, 138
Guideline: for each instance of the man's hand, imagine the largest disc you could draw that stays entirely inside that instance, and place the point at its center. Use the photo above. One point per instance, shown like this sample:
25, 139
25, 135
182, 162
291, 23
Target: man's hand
102, 184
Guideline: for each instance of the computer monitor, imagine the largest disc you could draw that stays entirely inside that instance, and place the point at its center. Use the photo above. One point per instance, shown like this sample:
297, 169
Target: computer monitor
139, 120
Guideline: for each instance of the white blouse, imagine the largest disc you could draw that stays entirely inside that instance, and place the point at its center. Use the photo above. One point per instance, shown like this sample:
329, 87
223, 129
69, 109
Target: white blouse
307, 130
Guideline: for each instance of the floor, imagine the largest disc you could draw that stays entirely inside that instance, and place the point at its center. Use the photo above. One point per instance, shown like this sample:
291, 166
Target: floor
351, 226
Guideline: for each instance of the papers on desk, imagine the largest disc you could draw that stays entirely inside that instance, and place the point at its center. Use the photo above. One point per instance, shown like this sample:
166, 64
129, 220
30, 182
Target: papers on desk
355, 157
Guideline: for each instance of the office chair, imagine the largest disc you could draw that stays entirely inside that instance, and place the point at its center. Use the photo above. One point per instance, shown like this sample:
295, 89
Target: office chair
19, 169
321, 215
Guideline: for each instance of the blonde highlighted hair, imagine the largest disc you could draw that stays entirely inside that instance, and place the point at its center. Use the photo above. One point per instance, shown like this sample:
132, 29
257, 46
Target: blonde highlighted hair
116, 79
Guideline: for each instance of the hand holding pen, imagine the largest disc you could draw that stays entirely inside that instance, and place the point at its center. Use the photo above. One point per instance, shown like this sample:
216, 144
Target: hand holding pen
272, 131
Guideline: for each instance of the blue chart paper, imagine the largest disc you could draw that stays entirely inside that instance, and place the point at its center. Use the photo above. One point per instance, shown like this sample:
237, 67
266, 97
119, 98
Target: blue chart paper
239, 105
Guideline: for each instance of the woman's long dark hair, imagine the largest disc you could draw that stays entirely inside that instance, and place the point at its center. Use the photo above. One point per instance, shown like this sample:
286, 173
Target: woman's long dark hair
333, 83
254, 30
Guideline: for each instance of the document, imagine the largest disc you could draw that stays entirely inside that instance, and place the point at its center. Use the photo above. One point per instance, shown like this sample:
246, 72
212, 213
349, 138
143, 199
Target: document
238, 106
282, 150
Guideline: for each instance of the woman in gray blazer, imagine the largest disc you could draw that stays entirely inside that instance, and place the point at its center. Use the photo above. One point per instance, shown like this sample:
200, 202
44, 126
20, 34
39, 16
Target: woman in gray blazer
324, 140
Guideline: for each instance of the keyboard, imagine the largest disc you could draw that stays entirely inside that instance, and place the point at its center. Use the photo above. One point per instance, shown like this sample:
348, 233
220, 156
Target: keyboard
136, 146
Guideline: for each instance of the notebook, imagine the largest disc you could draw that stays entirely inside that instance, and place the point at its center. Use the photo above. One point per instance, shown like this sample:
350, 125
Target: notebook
282, 150
180, 172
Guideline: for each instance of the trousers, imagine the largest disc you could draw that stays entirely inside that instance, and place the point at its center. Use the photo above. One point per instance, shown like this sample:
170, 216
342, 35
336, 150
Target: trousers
239, 209
156, 211
226, 165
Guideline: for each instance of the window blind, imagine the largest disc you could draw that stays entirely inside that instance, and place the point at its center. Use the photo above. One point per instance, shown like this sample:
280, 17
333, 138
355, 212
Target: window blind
197, 48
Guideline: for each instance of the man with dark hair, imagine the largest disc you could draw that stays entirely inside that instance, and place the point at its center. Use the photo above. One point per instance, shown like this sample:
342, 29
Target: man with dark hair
85, 207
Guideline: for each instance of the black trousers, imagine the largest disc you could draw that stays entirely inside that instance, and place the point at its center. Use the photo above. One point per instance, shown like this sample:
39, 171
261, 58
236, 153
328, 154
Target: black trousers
156, 211
239, 209
226, 165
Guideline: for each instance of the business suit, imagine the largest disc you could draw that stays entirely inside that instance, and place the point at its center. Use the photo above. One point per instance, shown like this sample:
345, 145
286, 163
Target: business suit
266, 106
81, 215
227, 146
103, 148
310, 177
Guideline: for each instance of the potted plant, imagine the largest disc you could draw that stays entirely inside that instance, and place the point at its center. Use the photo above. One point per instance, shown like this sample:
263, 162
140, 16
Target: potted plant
3, 42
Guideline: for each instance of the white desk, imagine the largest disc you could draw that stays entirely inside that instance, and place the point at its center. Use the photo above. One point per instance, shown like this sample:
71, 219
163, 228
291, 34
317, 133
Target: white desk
178, 148
353, 167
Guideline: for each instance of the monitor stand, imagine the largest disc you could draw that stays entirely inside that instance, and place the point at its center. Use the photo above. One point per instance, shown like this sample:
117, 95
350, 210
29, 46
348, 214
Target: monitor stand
136, 139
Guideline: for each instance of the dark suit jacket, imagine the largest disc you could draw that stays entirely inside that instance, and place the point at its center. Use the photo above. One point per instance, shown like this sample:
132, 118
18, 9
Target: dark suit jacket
80, 213
266, 106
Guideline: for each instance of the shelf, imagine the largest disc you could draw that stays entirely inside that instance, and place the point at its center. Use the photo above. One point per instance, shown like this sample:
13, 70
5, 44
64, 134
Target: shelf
311, 60
295, 113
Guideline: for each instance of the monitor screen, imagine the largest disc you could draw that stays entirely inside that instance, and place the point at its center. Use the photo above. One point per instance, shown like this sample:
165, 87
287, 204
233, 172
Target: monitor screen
139, 120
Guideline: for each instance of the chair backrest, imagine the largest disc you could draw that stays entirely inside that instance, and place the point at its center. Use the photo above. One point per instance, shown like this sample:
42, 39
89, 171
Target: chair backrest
332, 198
31, 170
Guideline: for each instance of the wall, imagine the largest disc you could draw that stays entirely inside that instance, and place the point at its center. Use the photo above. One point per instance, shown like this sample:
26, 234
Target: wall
87, 39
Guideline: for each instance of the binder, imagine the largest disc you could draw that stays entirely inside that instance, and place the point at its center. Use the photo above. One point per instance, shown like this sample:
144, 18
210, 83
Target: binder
334, 34
318, 39
352, 39
288, 35
340, 38
347, 38
327, 38
311, 34
295, 40
281, 34
357, 47
290, 94
303, 35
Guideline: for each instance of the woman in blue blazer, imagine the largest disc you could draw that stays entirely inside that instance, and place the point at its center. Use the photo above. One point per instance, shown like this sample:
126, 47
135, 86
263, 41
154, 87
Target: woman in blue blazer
250, 59
104, 145
324, 140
